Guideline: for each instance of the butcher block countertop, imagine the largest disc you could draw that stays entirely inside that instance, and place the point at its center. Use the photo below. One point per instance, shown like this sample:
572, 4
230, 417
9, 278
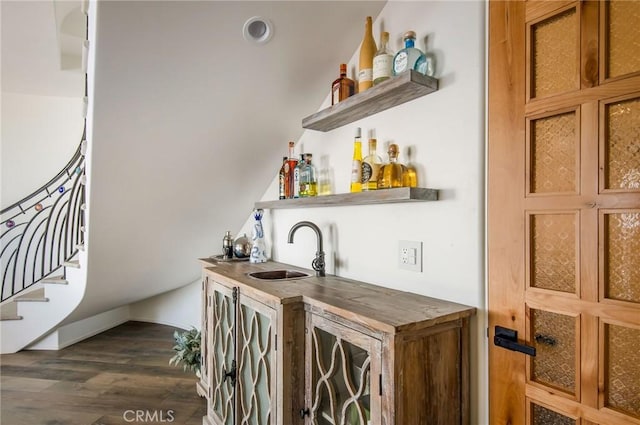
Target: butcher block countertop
374, 307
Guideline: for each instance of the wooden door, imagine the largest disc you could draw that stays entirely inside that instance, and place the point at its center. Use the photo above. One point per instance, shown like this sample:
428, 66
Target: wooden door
343, 375
222, 362
257, 366
564, 211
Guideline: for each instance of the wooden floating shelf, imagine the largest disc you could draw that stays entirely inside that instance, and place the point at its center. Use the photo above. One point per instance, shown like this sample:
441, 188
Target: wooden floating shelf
393, 92
381, 196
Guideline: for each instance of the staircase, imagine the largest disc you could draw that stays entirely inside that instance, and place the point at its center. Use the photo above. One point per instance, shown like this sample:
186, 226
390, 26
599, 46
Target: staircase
42, 236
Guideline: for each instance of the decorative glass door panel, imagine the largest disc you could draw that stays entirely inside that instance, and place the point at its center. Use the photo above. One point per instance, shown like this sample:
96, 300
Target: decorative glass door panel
540, 415
622, 32
621, 157
222, 352
622, 369
343, 375
621, 255
256, 363
554, 46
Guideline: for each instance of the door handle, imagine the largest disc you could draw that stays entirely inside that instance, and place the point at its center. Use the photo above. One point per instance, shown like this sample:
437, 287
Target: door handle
508, 338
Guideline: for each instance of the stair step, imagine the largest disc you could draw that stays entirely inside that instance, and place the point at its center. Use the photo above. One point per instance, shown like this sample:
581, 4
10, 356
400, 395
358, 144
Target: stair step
33, 296
9, 311
72, 263
80, 246
59, 280
83, 207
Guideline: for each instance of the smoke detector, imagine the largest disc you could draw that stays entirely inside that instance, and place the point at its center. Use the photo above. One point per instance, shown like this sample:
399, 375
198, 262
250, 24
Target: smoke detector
257, 30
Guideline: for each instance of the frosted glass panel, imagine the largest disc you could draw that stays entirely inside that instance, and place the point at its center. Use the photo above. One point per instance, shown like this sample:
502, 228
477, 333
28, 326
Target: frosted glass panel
622, 256
553, 252
555, 54
254, 371
553, 154
222, 352
623, 145
543, 416
554, 336
623, 31
341, 383
623, 369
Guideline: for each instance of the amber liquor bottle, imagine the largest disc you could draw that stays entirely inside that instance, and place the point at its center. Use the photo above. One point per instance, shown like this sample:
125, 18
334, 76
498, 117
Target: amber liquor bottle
342, 87
391, 174
292, 162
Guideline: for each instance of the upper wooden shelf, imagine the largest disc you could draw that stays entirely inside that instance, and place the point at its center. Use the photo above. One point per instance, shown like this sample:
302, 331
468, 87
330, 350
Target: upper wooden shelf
381, 196
393, 92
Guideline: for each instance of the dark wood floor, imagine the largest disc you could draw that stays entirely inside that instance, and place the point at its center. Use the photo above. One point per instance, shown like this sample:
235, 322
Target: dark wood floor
120, 376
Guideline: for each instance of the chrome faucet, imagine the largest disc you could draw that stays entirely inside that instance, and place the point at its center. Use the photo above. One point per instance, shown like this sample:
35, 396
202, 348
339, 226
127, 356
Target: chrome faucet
318, 263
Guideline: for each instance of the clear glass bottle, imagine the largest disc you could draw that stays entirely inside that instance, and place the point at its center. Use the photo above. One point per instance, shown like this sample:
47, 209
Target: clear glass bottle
426, 64
391, 174
371, 165
308, 179
383, 61
356, 164
325, 177
410, 176
367, 51
296, 177
342, 87
406, 58
282, 179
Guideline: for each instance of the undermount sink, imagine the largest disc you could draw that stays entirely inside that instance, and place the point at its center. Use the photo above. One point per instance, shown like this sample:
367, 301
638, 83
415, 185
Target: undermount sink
278, 275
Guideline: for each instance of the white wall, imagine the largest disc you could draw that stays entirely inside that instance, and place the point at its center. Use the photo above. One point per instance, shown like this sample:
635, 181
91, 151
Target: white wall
446, 131
39, 136
179, 308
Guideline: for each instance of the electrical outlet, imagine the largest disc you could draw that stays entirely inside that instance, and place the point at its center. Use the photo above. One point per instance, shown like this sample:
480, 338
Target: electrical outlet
410, 256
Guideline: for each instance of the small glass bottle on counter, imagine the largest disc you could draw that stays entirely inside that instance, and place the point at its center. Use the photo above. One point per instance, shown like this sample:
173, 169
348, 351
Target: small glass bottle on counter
342, 87
308, 180
406, 58
391, 174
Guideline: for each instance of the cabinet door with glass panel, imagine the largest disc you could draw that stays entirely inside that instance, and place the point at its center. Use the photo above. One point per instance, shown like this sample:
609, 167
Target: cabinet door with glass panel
343, 375
241, 353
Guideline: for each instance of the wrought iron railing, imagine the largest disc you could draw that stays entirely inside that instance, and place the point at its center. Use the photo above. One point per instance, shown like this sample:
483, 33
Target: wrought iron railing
43, 230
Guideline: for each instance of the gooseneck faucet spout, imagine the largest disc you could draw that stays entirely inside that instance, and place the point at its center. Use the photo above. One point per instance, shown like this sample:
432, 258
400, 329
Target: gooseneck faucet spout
318, 262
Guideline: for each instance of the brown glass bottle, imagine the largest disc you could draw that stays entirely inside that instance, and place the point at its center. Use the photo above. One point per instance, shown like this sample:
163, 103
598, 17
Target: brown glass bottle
343, 87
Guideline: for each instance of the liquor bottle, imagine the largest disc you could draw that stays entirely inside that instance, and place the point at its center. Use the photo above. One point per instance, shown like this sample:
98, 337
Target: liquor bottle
406, 58
391, 174
296, 177
371, 165
342, 87
325, 177
367, 51
308, 180
383, 61
291, 165
426, 64
282, 179
410, 176
356, 164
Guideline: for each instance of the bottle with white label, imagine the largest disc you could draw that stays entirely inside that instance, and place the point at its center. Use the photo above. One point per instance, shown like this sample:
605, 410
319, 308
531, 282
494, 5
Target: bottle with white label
383, 61
406, 58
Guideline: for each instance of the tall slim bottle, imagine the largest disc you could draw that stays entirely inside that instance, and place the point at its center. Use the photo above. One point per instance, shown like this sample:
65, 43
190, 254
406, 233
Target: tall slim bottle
371, 165
291, 165
383, 61
367, 51
356, 164
282, 179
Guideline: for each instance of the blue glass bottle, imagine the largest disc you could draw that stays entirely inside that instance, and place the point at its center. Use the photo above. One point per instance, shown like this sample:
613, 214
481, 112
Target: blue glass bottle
406, 58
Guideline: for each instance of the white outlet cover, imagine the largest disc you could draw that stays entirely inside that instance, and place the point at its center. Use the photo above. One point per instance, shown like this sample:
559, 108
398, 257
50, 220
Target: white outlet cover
410, 255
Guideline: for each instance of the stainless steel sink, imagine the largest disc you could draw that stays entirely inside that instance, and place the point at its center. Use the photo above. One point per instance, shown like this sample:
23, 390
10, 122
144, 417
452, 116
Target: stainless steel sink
278, 275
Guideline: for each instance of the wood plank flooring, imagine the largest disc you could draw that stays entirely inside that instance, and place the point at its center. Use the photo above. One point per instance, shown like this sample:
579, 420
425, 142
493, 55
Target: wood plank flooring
121, 376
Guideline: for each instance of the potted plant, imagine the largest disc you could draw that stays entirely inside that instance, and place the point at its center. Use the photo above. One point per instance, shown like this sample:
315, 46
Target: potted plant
187, 350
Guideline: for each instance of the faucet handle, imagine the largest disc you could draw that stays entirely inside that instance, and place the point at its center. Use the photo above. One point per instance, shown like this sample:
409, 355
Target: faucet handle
318, 264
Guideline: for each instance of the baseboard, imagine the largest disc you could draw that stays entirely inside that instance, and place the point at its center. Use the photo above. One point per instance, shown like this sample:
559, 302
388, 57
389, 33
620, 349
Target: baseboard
82, 329
162, 322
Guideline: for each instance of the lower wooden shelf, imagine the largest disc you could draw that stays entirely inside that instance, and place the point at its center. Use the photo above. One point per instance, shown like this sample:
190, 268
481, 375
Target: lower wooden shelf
381, 196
